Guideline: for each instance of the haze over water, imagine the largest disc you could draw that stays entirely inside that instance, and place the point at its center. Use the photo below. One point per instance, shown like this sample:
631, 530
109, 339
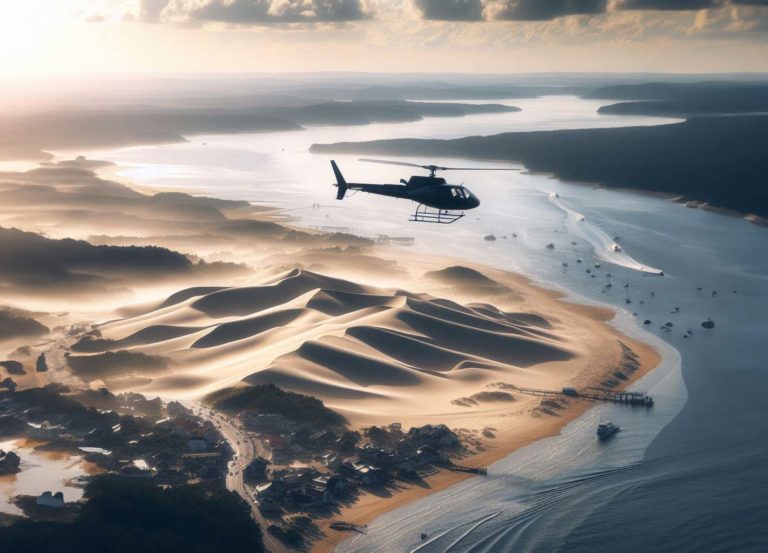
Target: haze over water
696, 461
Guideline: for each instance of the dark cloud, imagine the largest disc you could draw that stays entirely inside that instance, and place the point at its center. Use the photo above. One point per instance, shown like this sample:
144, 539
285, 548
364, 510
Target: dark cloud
670, 5
538, 10
268, 12
451, 10
546, 10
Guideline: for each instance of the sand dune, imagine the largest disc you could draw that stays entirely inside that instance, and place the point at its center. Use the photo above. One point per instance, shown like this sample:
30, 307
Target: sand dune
369, 352
247, 300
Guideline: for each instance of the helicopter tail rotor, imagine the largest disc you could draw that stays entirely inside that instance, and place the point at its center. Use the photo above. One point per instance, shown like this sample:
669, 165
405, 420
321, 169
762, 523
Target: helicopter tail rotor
340, 182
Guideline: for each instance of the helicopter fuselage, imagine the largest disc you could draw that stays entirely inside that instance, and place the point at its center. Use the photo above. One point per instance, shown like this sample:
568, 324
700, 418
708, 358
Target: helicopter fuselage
430, 191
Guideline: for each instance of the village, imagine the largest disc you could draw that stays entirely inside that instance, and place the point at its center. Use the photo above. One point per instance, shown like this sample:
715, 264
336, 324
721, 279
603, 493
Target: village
293, 473
124, 435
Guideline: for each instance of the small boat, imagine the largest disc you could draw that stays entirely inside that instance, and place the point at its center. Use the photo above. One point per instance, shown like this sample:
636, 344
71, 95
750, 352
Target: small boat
550, 246
490, 238
606, 430
616, 248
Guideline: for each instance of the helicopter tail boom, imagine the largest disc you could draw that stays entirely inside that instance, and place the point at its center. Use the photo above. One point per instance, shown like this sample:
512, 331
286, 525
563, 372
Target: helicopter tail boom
340, 182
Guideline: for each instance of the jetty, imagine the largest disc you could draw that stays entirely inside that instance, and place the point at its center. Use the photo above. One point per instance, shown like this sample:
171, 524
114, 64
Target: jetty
348, 527
593, 394
460, 468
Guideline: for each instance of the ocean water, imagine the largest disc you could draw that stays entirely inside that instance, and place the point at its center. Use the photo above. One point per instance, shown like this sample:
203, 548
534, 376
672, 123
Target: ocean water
687, 475
40, 471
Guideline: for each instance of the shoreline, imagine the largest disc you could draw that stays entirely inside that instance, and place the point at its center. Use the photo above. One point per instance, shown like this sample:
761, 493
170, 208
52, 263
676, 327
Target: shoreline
370, 506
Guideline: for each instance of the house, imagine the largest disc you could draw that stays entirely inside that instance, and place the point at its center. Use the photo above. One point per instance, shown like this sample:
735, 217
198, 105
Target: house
368, 475
47, 499
332, 461
45, 431
271, 491
318, 494
321, 481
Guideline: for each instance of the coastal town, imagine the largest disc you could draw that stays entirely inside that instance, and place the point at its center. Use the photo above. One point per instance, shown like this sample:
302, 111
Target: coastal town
297, 470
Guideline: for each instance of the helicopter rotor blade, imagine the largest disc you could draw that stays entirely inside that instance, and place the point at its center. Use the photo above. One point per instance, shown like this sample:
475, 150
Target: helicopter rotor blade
437, 167
477, 169
394, 163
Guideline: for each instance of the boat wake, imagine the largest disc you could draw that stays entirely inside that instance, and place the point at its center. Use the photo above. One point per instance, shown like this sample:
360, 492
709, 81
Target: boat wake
606, 248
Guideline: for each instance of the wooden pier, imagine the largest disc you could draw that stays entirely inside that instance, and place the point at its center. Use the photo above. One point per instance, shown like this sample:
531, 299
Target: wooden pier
342, 526
459, 468
593, 394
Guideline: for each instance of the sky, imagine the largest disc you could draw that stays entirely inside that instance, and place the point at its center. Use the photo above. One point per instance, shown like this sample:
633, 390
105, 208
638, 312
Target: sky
42, 38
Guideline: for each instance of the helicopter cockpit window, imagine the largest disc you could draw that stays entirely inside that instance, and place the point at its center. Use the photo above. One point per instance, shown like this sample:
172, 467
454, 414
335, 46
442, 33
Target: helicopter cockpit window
458, 193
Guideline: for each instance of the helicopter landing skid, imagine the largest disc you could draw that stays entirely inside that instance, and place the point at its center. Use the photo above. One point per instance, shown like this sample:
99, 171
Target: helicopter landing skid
424, 214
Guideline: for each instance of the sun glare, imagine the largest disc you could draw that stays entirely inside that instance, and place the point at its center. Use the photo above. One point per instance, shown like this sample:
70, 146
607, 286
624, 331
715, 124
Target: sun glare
32, 35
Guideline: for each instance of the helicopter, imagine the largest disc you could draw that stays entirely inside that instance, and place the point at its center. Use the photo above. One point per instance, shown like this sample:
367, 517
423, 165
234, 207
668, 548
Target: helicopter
439, 202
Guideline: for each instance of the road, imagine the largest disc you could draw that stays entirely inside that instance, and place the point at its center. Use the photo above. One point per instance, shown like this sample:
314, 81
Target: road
245, 448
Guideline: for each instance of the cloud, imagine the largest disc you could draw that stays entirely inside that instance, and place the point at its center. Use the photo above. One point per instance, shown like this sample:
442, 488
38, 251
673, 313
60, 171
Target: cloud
508, 10
670, 5
537, 10
150, 10
744, 18
547, 10
451, 10
262, 12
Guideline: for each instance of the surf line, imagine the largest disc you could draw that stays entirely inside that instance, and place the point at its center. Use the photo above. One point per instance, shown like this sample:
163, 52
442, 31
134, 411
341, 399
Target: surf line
605, 247
464, 535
